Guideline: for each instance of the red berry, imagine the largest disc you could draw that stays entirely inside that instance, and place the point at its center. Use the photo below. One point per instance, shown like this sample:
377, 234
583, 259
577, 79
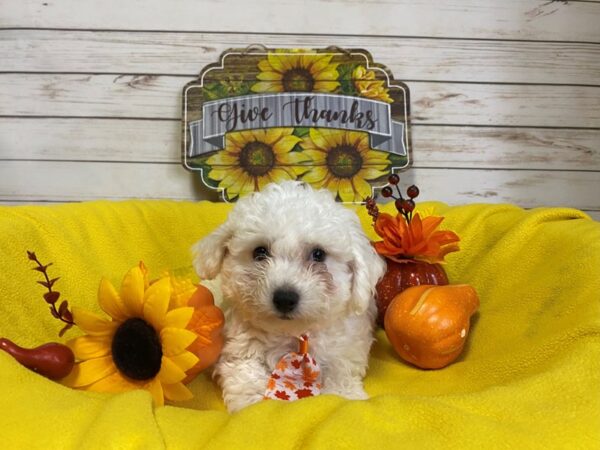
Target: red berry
408, 205
393, 179
386, 191
398, 204
412, 191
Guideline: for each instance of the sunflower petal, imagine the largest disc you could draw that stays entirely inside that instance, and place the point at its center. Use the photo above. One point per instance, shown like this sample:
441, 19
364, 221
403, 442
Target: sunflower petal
292, 158
281, 173
179, 317
318, 138
218, 174
318, 157
176, 340
329, 74
170, 372
110, 302
345, 190
277, 62
269, 76
114, 383
93, 324
265, 66
325, 86
185, 360
285, 144
267, 86
132, 291
177, 392
320, 63
156, 302
238, 185
369, 173
222, 158
88, 347
362, 188
272, 135
156, 390
87, 372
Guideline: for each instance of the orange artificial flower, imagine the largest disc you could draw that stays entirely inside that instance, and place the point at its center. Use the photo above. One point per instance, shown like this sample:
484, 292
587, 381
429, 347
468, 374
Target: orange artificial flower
418, 239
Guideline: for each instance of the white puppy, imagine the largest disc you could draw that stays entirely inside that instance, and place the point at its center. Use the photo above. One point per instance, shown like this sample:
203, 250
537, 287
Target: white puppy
292, 261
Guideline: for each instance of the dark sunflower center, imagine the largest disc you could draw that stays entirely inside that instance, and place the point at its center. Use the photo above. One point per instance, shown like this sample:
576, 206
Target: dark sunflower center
257, 158
298, 80
136, 350
344, 161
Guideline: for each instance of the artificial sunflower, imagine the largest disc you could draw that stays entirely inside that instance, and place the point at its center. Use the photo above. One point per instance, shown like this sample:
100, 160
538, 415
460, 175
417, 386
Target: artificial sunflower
253, 158
293, 71
143, 346
367, 86
343, 162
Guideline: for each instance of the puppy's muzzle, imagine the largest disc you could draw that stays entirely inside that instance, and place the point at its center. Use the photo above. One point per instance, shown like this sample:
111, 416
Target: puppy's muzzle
285, 300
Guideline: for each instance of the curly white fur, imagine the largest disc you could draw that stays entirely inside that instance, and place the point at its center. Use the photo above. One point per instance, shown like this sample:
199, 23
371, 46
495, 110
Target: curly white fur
335, 306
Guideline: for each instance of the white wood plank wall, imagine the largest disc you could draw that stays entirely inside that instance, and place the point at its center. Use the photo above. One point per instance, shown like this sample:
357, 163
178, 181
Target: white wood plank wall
505, 94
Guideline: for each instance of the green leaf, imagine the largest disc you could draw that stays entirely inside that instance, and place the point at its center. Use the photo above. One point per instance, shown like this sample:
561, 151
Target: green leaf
301, 131
345, 79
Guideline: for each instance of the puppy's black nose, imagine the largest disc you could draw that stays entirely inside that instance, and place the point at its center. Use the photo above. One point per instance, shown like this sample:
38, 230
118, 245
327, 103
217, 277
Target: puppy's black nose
285, 300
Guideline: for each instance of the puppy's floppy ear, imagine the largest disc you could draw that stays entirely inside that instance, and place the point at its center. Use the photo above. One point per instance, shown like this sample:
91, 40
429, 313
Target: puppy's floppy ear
208, 253
367, 268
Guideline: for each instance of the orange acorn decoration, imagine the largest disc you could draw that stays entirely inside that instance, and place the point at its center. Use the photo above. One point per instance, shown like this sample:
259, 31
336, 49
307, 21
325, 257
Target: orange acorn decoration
428, 325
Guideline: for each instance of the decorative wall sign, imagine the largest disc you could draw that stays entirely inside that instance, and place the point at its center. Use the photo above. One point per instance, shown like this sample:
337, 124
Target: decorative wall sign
329, 117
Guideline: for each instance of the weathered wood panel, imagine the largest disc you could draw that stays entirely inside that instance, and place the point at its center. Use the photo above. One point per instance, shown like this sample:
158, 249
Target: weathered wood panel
408, 58
435, 146
507, 19
55, 180
149, 96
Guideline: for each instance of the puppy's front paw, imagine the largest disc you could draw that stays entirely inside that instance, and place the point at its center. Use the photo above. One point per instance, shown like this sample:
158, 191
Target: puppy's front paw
236, 402
351, 392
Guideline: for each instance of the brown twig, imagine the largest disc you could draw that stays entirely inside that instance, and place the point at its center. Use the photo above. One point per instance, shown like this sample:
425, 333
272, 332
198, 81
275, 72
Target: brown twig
51, 297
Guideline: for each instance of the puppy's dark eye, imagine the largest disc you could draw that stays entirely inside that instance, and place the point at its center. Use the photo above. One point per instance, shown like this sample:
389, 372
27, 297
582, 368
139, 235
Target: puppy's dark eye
260, 254
317, 254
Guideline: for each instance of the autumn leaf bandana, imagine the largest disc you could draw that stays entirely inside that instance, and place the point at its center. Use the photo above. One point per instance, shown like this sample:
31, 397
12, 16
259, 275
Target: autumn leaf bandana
296, 375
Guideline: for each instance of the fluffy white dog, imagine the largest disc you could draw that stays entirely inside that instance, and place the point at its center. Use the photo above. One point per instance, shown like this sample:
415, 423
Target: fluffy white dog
292, 261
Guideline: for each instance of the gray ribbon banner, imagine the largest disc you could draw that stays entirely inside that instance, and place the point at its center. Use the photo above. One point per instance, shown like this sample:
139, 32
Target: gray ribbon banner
295, 110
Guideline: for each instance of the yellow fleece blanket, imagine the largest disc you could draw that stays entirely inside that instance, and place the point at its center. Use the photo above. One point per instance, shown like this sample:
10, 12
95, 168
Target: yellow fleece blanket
529, 377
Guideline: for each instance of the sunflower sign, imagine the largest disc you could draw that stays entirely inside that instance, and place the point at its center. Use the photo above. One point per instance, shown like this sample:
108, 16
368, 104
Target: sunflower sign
329, 117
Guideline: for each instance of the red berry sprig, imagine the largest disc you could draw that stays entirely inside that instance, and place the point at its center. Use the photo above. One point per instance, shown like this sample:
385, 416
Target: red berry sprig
405, 206
51, 297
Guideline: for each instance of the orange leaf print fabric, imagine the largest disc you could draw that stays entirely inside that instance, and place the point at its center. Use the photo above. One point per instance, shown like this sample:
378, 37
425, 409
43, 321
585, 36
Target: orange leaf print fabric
297, 375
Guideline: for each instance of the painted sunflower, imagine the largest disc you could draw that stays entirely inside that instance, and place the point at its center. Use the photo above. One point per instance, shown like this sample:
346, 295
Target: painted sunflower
343, 162
367, 86
253, 158
291, 72
142, 347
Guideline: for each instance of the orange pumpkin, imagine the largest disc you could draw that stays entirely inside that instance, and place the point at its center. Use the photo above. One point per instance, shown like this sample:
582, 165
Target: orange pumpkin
207, 321
428, 325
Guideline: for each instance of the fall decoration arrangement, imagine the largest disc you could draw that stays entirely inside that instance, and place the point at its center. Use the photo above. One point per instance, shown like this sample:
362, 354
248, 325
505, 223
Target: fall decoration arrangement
425, 319
159, 335
413, 247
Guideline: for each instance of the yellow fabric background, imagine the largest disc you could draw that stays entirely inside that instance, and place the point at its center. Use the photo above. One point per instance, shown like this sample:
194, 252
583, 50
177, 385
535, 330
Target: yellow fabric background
529, 376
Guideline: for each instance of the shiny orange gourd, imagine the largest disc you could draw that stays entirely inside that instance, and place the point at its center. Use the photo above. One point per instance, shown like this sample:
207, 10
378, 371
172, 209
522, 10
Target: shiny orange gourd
428, 325
207, 321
